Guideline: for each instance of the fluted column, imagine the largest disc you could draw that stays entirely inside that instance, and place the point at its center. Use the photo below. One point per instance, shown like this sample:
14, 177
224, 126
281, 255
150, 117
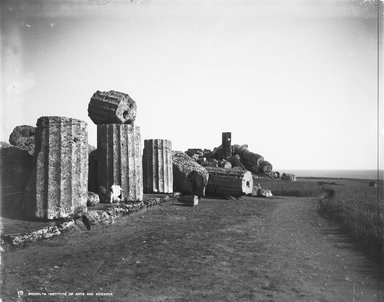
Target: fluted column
59, 180
157, 166
119, 160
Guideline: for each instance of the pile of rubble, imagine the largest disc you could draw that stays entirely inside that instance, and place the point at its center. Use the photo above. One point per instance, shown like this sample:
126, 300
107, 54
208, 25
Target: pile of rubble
232, 169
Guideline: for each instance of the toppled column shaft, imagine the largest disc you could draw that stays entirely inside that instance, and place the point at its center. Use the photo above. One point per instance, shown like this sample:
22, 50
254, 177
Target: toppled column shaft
157, 166
112, 107
59, 180
224, 182
119, 159
266, 167
188, 176
251, 161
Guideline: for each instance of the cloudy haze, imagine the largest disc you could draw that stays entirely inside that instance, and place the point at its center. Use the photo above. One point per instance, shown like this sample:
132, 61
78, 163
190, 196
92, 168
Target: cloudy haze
295, 80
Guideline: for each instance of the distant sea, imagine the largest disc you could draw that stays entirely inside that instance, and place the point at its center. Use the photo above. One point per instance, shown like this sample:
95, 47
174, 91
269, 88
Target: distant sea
362, 174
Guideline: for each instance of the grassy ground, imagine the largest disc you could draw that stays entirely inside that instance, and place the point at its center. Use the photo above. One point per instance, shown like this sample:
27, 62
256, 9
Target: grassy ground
299, 188
358, 207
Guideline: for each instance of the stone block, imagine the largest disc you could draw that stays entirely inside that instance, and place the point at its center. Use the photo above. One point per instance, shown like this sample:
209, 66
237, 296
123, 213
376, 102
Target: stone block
112, 107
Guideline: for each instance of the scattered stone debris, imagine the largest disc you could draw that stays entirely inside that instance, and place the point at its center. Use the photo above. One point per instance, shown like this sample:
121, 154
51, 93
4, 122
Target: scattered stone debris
288, 177
259, 192
106, 214
264, 193
4, 145
157, 166
115, 194
189, 200
23, 137
93, 199
373, 183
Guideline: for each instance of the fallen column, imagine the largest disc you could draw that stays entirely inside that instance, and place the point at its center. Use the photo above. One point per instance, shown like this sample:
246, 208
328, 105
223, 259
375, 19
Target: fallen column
189, 177
157, 166
119, 160
251, 161
58, 186
266, 167
223, 182
112, 107
235, 161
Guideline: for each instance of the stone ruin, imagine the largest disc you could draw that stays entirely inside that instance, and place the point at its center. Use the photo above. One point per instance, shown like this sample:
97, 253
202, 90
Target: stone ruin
157, 166
58, 186
66, 174
119, 161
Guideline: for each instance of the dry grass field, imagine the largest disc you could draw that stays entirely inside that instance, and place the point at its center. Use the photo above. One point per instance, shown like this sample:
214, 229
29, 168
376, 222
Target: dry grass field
356, 206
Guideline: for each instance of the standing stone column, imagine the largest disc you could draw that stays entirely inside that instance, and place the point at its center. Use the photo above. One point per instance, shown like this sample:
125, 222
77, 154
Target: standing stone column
226, 144
157, 166
59, 181
119, 160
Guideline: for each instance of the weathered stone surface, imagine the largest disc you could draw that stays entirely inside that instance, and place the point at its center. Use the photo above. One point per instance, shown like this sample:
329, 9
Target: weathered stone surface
188, 176
91, 148
235, 161
266, 167
224, 182
93, 199
226, 144
250, 160
210, 163
189, 200
115, 194
288, 177
193, 151
16, 168
119, 160
5, 145
92, 171
157, 166
255, 189
23, 137
264, 193
225, 164
58, 187
112, 107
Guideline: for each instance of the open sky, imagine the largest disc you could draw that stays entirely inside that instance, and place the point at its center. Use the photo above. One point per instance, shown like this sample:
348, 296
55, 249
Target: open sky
295, 80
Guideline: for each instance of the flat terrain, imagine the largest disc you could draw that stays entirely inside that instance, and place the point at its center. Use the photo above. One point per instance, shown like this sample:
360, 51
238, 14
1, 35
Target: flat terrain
252, 249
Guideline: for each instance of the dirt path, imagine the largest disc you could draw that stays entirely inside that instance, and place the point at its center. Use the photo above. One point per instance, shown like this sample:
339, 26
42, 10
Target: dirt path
221, 250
